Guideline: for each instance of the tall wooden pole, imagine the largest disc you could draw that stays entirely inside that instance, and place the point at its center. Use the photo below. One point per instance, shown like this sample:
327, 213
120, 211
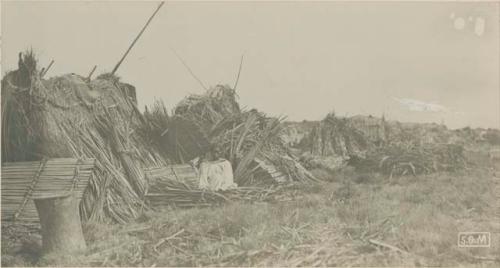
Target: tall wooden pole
137, 38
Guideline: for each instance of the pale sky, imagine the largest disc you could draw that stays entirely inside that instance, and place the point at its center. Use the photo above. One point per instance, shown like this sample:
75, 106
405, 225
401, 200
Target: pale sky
422, 62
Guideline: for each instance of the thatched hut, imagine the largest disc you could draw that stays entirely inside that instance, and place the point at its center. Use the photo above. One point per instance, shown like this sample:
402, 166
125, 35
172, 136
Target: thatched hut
69, 116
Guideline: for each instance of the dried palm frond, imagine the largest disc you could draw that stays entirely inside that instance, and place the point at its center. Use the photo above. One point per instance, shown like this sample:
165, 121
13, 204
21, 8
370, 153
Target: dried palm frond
243, 170
404, 159
174, 193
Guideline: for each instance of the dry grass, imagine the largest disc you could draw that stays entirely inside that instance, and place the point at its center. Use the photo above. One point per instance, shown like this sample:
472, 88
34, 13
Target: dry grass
336, 224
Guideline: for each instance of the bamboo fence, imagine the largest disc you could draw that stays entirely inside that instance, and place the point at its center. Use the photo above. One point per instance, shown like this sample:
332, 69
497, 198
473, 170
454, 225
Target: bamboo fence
23, 181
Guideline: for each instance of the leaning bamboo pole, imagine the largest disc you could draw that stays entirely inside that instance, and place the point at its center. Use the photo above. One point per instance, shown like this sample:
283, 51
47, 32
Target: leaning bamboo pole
136, 38
45, 70
91, 72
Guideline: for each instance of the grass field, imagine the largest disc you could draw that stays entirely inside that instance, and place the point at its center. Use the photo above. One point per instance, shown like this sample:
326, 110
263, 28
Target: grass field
352, 219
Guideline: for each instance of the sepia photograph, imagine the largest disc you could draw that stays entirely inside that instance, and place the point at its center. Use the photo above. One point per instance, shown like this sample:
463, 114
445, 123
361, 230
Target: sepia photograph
250, 133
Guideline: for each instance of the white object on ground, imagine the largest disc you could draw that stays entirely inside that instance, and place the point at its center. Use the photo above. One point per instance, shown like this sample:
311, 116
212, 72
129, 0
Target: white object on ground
217, 175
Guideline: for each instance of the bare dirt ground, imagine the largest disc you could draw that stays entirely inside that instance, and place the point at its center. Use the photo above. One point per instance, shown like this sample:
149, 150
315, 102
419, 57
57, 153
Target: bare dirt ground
353, 219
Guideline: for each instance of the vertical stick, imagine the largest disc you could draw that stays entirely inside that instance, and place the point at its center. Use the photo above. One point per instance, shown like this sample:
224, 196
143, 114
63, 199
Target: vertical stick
137, 38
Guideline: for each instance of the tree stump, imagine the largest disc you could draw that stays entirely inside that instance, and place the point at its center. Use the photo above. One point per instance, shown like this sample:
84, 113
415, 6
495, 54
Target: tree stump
60, 221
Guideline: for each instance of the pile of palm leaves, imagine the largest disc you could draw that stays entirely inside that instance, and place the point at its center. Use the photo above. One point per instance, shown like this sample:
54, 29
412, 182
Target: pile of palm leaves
214, 120
209, 108
243, 137
178, 137
166, 193
180, 194
411, 159
335, 136
373, 144
184, 135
